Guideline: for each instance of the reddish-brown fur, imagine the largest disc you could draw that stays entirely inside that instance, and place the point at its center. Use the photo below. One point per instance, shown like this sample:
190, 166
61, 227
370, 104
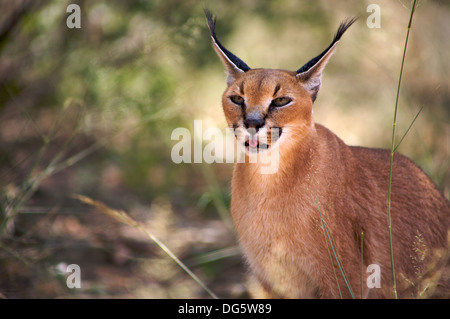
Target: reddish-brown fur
278, 216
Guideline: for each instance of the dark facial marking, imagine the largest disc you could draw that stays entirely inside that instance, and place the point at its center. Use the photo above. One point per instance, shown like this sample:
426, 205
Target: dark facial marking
277, 88
241, 88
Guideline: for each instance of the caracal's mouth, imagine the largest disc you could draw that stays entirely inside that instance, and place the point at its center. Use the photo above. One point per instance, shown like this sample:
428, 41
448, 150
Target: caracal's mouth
255, 144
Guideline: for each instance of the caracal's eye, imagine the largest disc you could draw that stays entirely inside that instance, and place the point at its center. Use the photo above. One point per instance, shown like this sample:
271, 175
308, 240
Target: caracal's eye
237, 99
280, 101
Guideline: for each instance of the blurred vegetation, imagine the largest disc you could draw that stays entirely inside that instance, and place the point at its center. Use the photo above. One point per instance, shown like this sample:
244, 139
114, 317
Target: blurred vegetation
91, 111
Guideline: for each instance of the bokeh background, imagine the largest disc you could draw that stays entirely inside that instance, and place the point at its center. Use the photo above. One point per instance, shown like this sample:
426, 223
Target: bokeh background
91, 111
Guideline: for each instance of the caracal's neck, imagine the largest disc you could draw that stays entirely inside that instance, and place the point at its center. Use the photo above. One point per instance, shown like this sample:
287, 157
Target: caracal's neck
282, 171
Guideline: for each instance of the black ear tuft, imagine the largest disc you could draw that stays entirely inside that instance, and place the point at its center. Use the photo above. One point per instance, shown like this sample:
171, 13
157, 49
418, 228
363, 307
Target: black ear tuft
342, 28
212, 29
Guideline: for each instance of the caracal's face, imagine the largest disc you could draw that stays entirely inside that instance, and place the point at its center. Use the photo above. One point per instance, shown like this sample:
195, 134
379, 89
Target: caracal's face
267, 107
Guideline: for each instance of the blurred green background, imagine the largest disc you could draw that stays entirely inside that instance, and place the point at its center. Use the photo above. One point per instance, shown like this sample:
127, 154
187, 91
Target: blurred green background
91, 111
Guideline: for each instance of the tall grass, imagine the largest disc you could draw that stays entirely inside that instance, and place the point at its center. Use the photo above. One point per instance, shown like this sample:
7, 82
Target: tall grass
331, 243
124, 218
362, 263
393, 148
11, 205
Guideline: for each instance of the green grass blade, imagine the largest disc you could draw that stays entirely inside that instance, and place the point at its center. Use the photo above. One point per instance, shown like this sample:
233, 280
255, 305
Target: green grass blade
410, 125
394, 284
124, 218
362, 262
331, 260
341, 269
415, 118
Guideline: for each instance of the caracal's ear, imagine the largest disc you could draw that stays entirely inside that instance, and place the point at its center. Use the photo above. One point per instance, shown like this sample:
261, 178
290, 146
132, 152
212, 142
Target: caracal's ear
233, 65
310, 75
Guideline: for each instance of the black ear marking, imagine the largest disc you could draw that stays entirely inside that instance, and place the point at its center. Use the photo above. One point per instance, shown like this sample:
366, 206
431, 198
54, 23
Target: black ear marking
238, 63
342, 28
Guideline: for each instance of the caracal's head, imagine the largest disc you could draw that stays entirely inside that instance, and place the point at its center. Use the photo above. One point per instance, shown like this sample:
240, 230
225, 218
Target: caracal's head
267, 107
